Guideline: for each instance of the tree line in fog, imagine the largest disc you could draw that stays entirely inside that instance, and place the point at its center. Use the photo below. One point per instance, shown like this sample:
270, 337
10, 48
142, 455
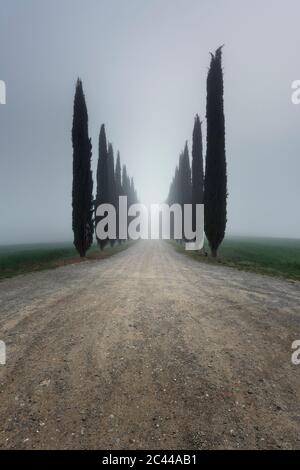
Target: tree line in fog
111, 181
190, 185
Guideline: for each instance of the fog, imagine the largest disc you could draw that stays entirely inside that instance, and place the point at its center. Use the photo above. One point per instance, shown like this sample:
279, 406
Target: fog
143, 65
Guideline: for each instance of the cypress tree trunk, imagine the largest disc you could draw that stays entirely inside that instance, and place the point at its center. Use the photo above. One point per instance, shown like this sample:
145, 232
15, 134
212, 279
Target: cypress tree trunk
82, 189
215, 193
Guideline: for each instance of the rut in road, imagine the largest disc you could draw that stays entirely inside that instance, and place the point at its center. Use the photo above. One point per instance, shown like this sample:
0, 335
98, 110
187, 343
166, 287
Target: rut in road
149, 349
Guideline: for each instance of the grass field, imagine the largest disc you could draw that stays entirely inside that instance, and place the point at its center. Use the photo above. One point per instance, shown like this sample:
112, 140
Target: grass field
19, 259
273, 256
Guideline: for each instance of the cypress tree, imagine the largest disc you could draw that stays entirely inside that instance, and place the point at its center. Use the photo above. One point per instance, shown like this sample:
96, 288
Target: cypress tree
215, 193
125, 183
173, 198
102, 177
82, 189
186, 177
176, 197
197, 168
119, 192
112, 195
181, 191
170, 197
118, 180
126, 187
111, 175
180, 180
185, 187
133, 195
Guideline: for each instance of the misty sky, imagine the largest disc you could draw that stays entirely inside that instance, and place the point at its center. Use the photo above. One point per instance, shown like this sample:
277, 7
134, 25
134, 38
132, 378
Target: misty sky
144, 64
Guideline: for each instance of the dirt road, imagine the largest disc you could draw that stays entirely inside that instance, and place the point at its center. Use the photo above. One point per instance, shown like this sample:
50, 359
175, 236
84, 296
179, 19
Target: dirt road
149, 349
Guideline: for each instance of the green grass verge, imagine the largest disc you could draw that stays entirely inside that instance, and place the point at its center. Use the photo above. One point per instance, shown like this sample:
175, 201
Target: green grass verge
272, 256
20, 259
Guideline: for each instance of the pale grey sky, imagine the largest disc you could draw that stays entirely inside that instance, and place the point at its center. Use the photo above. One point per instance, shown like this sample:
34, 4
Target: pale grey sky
144, 64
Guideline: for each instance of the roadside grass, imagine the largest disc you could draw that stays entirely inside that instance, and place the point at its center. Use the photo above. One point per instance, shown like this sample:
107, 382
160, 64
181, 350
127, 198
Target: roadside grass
21, 259
273, 256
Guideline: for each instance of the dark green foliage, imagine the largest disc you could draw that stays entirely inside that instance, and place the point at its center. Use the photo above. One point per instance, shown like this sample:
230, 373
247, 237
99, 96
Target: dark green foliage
119, 190
173, 198
193, 188
215, 193
172, 195
125, 183
82, 190
176, 185
102, 195
112, 194
133, 194
185, 177
110, 185
118, 180
128, 190
185, 182
126, 186
180, 191
197, 168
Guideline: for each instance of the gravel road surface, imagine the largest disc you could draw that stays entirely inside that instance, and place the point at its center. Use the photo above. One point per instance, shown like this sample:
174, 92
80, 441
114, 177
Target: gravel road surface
149, 349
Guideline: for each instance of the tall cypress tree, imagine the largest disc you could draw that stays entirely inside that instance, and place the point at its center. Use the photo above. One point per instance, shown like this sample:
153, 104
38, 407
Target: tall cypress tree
185, 182
118, 178
112, 190
133, 195
215, 193
176, 198
186, 177
125, 183
82, 190
180, 180
173, 197
197, 168
102, 195
119, 192
126, 188
112, 196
